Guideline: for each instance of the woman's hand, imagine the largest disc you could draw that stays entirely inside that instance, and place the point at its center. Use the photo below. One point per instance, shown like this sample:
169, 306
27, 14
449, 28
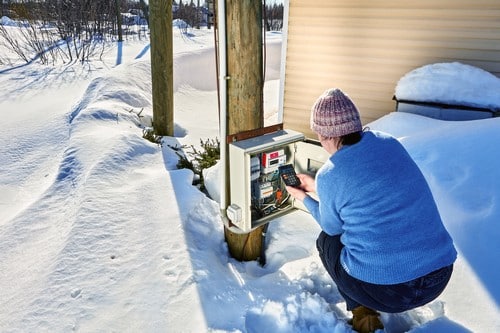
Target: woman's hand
306, 185
307, 182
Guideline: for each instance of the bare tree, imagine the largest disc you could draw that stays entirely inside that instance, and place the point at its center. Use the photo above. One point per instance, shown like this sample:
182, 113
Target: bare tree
189, 13
78, 28
274, 17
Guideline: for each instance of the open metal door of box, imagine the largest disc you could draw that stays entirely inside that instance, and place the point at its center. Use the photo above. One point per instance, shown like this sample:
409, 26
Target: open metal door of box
309, 157
258, 193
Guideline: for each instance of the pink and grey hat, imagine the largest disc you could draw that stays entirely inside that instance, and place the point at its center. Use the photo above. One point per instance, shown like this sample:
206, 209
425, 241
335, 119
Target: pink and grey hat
334, 115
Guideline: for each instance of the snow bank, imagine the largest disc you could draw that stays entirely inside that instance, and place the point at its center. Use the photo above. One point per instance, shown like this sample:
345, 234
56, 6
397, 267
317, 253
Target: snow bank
460, 161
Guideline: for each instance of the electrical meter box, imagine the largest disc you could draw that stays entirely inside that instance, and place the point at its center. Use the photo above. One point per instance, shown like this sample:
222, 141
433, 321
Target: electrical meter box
258, 193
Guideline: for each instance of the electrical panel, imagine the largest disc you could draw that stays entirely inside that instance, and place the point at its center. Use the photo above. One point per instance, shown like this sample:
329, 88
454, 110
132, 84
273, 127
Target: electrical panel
258, 193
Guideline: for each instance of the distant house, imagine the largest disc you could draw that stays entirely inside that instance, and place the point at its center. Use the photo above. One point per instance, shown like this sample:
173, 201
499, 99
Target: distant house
365, 47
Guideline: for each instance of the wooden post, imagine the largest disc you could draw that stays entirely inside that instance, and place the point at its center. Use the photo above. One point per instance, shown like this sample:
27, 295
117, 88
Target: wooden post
211, 9
198, 15
245, 96
145, 10
162, 64
119, 20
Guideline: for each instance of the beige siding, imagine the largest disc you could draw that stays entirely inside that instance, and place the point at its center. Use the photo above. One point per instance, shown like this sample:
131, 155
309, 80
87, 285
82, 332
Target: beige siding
364, 47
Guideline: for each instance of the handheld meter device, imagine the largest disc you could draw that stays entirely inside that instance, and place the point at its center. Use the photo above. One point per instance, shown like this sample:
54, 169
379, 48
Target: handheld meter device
287, 173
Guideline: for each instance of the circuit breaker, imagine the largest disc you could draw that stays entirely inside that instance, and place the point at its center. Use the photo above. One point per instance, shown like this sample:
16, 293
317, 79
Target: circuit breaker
258, 193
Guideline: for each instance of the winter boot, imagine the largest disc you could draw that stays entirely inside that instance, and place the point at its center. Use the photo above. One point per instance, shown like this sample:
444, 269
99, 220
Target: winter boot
365, 320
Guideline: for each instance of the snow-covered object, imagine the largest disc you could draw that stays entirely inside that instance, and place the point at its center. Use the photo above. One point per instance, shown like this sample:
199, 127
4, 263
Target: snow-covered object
4, 20
181, 24
451, 83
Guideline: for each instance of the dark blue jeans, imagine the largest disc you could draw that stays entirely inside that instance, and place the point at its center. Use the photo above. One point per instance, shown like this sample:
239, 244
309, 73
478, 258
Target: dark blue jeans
386, 298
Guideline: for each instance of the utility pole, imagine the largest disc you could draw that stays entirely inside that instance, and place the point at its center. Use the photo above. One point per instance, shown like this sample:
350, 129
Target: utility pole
210, 12
145, 10
119, 20
162, 66
245, 96
198, 15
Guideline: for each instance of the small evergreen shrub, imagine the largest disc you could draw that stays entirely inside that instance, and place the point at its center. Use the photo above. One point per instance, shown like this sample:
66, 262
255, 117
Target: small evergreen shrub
149, 134
199, 159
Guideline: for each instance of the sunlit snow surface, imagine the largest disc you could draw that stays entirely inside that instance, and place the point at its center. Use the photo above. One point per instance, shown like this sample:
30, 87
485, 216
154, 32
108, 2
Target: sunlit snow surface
100, 232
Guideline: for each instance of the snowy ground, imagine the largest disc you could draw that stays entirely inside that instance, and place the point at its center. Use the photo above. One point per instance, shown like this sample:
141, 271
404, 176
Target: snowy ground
99, 232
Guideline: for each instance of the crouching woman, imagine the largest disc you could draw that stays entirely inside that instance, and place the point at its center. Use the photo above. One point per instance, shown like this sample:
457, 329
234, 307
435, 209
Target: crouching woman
382, 240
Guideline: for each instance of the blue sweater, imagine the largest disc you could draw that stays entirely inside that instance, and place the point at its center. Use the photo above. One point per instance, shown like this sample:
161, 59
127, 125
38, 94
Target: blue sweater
374, 195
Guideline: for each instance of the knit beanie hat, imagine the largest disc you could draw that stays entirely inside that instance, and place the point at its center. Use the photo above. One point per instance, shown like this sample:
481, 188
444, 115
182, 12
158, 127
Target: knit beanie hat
334, 115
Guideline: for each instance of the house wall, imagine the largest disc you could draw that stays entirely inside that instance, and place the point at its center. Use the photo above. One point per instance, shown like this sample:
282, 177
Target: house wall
364, 47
